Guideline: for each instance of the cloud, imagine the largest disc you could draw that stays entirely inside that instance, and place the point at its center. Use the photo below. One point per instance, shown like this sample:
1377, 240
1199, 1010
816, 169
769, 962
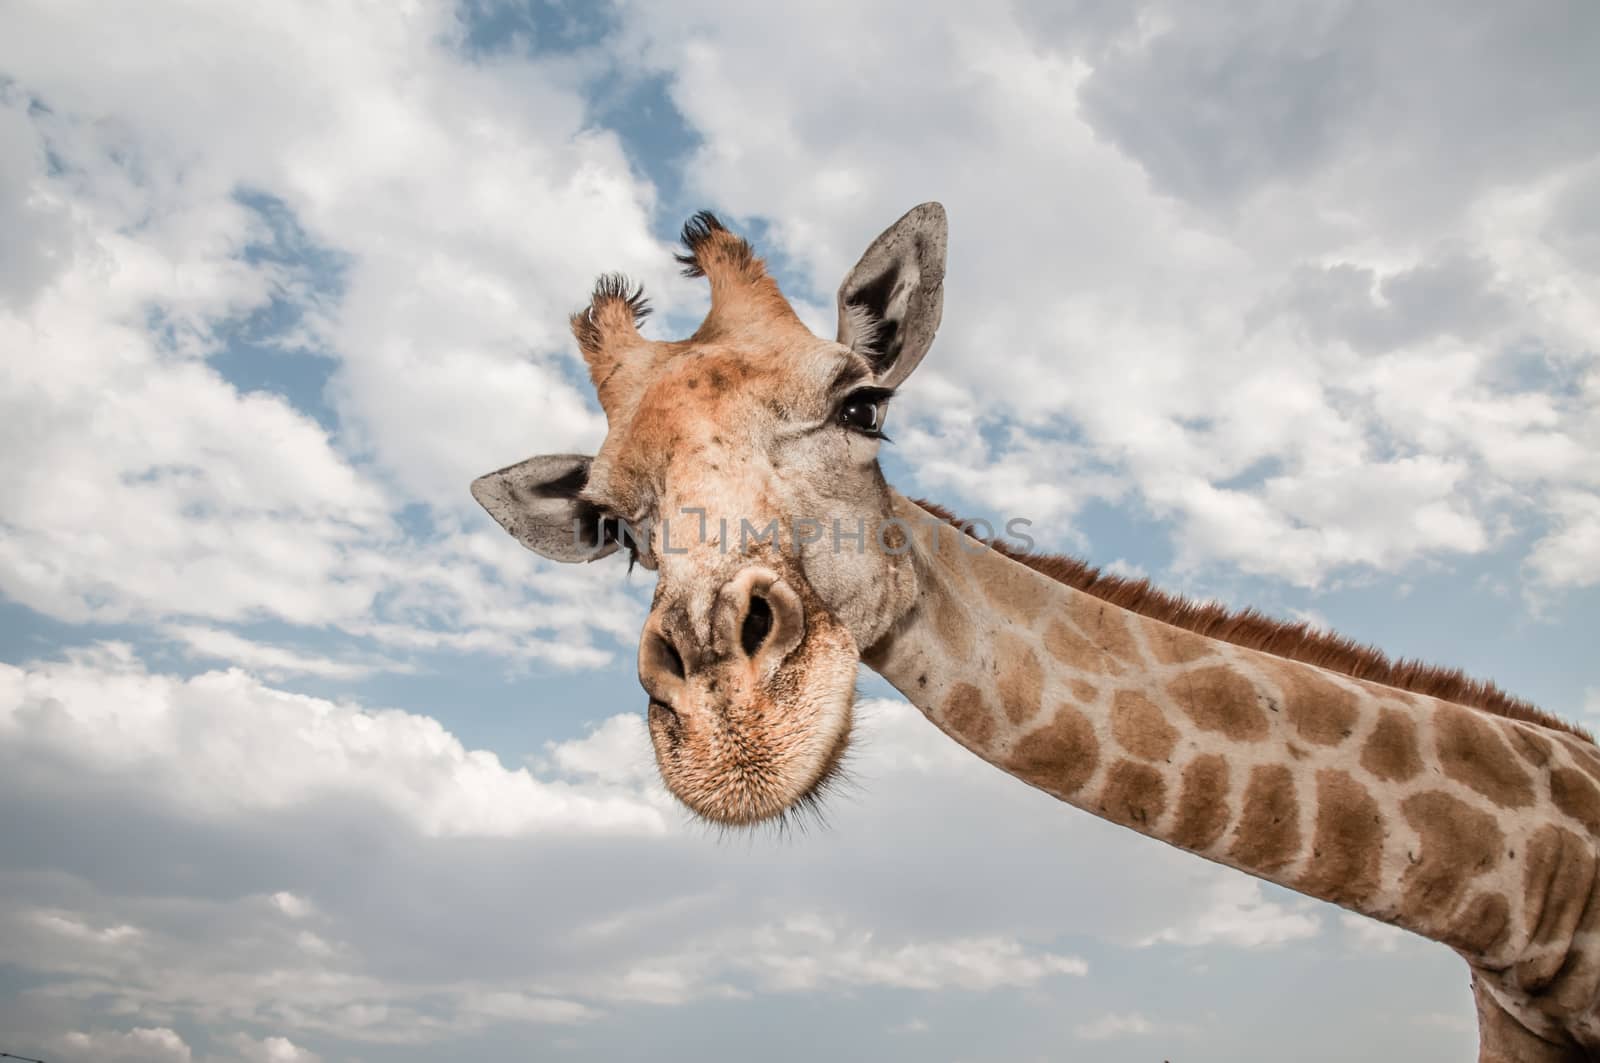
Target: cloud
1223, 104
1342, 303
1307, 291
38, 234
225, 746
514, 896
273, 662
1215, 106
1238, 914
1113, 1025
1193, 266
1369, 935
615, 750
470, 208
809, 953
270, 1050
246, 859
1570, 555
142, 1044
167, 224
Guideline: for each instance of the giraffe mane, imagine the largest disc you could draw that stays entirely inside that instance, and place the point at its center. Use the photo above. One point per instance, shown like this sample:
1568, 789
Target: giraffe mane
1255, 630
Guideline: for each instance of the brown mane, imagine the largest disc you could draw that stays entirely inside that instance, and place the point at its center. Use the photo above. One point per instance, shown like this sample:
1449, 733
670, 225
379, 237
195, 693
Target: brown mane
1257, 631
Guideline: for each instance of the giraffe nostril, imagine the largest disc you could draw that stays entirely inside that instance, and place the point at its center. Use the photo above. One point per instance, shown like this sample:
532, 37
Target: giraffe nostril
757, 625
661, 667
671, 659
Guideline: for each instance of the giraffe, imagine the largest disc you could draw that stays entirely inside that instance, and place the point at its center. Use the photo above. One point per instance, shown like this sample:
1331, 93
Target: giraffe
741, 466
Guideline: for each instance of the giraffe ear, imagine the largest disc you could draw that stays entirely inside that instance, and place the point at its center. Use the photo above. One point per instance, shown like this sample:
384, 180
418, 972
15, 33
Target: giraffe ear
537, 502
891, 302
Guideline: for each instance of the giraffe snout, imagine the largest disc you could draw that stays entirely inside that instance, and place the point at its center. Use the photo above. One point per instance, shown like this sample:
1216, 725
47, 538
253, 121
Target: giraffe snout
757, 617
757, 620
661, 663
751, 687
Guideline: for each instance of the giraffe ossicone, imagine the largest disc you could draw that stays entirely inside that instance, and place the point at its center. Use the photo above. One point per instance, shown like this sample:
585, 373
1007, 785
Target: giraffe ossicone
1409, 794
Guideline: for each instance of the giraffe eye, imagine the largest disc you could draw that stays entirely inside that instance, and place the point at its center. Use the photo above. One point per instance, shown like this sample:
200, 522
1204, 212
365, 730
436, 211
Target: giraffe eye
863, 411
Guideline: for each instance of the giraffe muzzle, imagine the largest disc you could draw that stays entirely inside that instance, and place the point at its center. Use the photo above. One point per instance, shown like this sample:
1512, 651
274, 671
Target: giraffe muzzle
750, 710
757, 620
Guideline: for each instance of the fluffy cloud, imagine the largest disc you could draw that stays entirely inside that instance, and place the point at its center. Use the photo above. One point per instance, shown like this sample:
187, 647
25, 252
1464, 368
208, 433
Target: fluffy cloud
511, 897
1191, 248
224, 746
270, 1050
468, 204
1238, 914
270, 661
142, 1044
164, 217
257, 866
1371, 935
1570, 554
1313, 286
256, 871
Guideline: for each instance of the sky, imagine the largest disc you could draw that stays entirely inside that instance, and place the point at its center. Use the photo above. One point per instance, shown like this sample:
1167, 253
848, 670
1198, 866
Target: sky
1284, 304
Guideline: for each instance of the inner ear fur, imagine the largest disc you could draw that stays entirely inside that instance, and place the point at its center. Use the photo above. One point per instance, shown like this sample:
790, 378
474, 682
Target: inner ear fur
537, 502
891, 303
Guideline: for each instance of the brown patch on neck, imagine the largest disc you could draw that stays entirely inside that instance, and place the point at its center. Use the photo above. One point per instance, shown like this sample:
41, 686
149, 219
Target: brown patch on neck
1297, 642
1203, 804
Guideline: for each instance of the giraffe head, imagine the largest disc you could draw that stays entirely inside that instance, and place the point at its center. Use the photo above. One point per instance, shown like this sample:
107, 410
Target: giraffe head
741, 465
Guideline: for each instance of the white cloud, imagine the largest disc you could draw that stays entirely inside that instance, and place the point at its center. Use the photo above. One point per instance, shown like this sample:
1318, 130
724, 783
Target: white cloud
1164, 278
526, 1008
1125, 569
1113, 1025
223, 745
293, 906
37, 232
810, 953
140, 485
270, 1050
472, 202
616, 750
269, 661
361, 876
1238, 915
1306, 346
142, 1044
1369, 935
68, 925
1570, 555
1117, 1025
1311, 617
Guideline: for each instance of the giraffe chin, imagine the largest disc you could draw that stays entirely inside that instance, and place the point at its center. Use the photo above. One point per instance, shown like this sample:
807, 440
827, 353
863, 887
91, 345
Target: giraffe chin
740, 747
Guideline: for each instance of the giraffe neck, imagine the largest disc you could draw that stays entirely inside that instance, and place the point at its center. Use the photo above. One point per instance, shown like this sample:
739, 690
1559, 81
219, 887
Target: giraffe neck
1463, 827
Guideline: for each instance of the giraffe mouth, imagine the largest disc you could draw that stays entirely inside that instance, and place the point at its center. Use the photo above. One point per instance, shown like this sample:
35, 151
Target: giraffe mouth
737, 749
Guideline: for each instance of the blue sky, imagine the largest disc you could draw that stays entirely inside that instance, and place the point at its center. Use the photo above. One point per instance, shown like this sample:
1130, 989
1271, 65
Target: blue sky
1290, 305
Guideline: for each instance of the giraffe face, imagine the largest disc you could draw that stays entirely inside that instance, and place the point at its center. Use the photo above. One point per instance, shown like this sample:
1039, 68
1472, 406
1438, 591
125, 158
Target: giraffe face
741, 466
